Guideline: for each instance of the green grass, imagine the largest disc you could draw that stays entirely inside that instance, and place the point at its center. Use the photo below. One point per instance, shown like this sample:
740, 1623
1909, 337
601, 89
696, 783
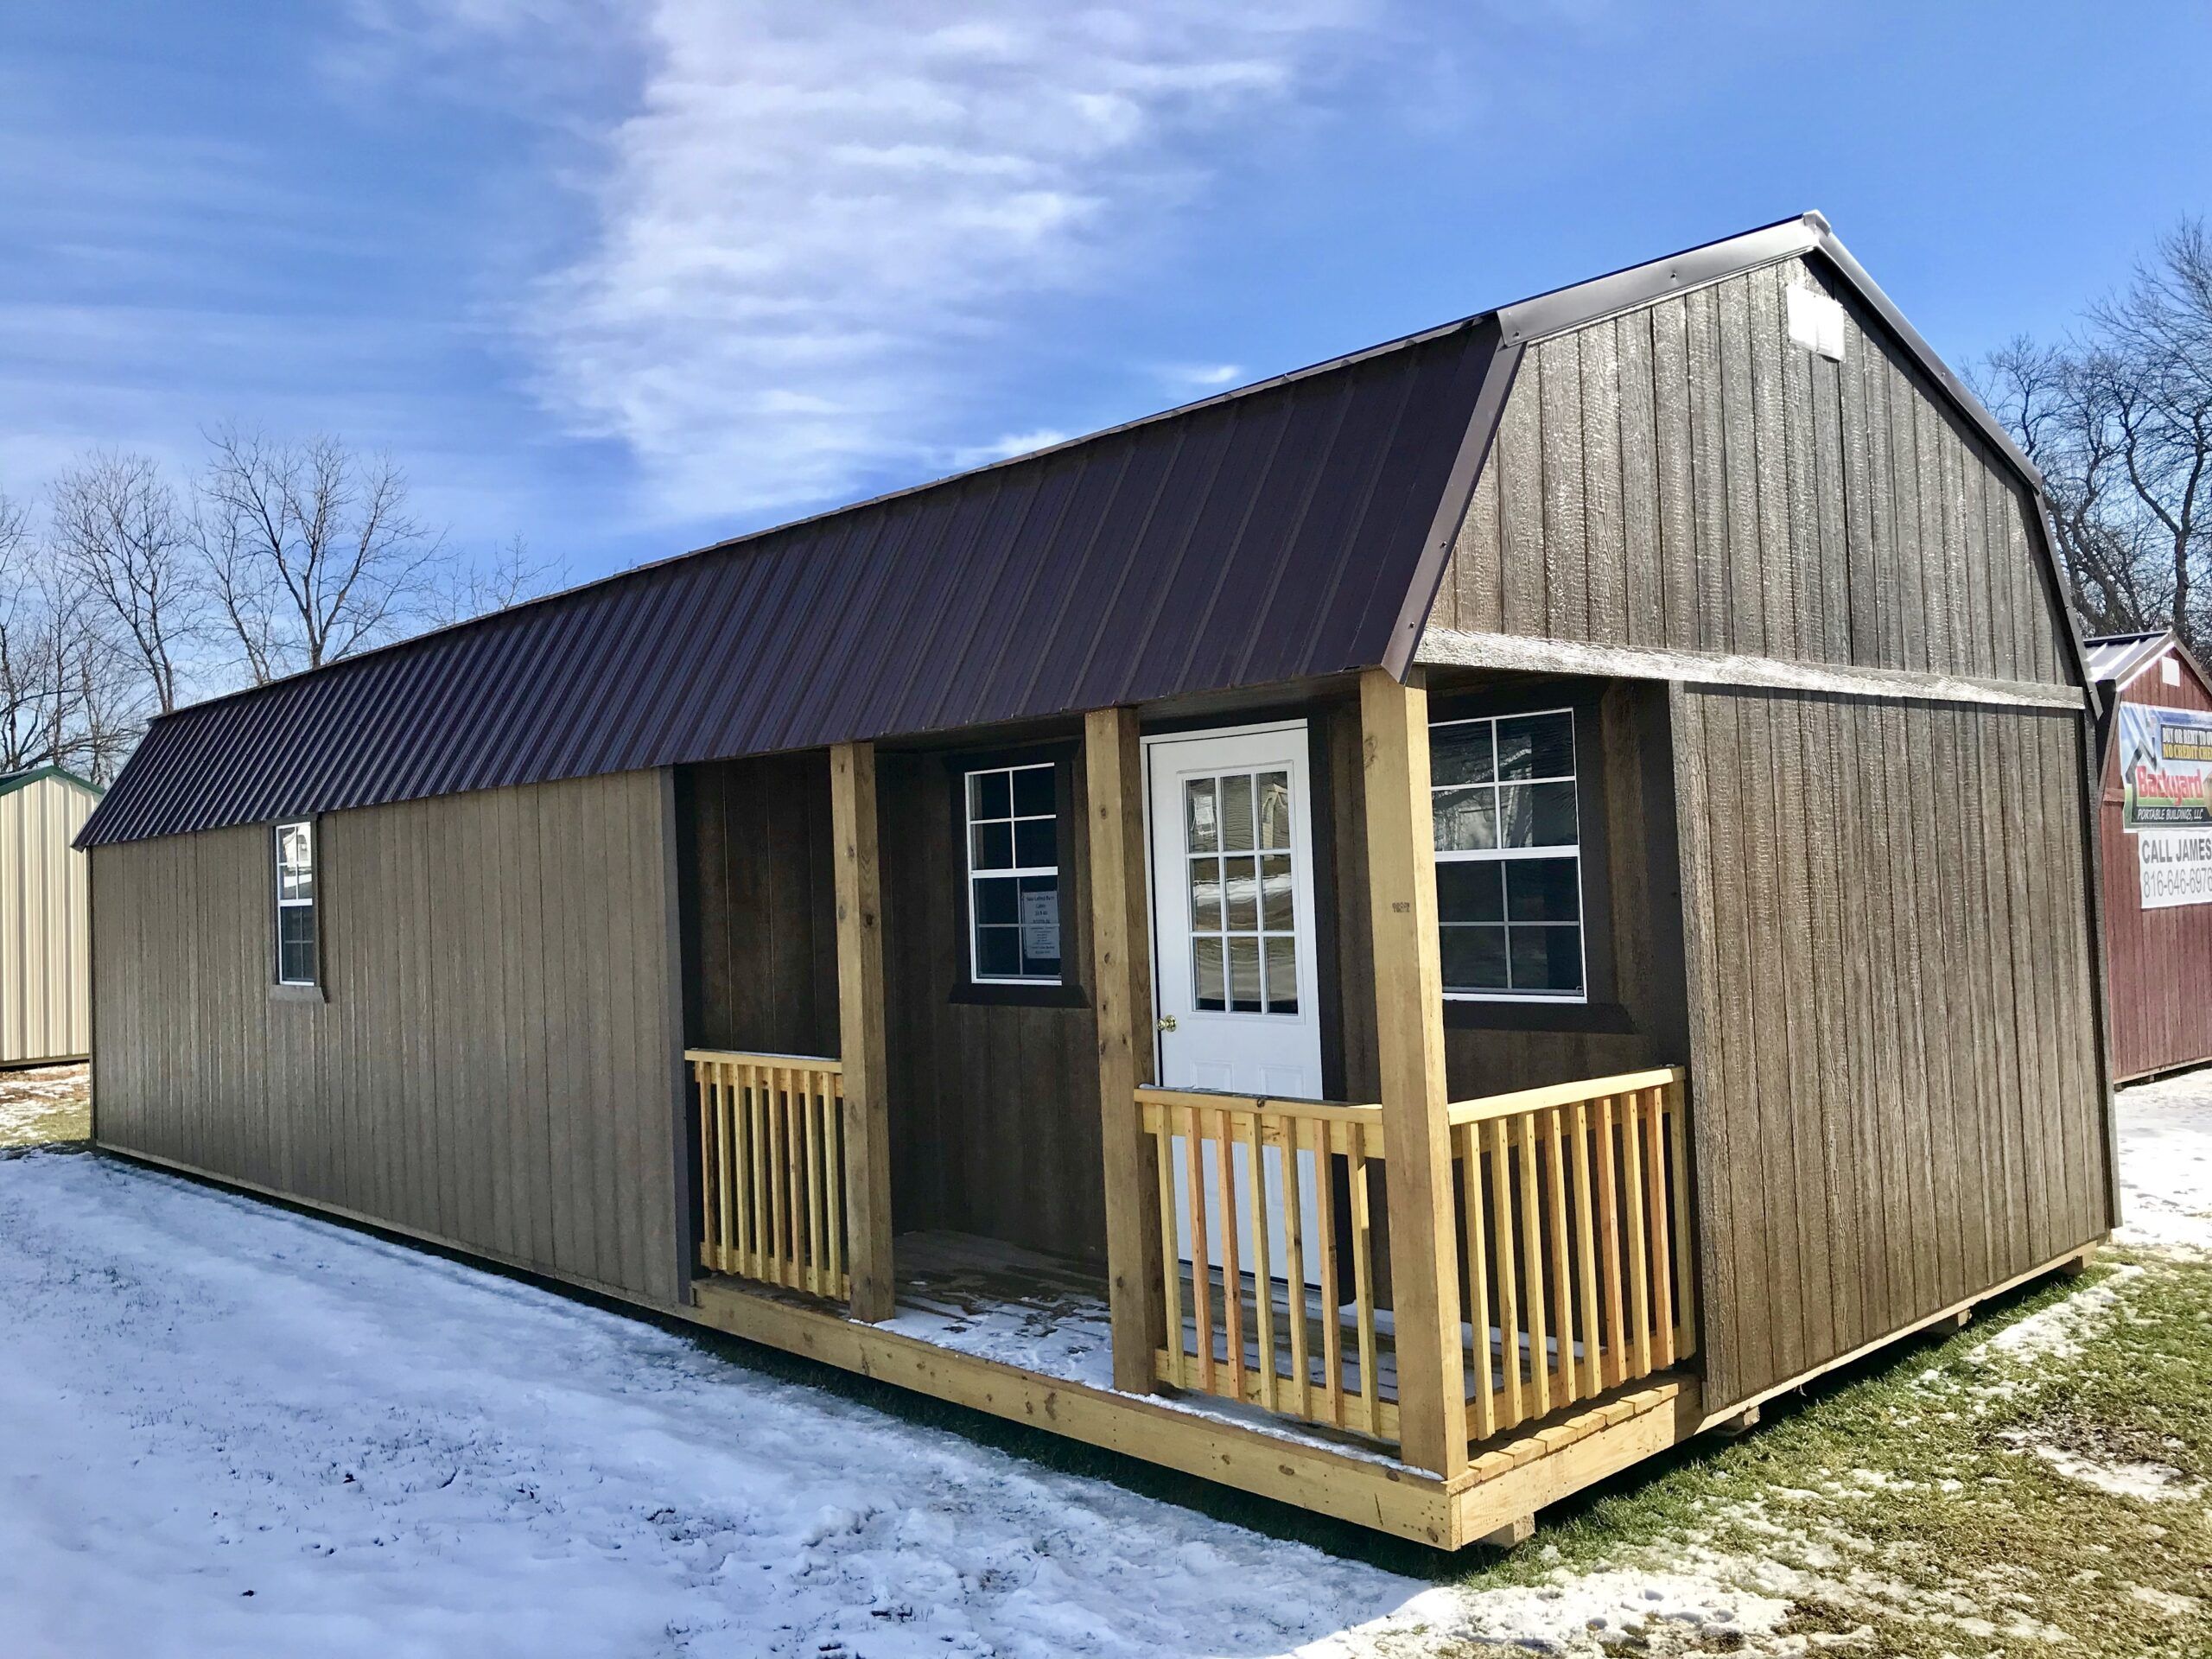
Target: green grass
1970, 1539
1970, 1543
43, 1106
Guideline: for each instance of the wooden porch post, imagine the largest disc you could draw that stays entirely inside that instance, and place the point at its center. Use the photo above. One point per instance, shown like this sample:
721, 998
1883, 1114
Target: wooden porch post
1120, 958
1409, 1039
860, 1029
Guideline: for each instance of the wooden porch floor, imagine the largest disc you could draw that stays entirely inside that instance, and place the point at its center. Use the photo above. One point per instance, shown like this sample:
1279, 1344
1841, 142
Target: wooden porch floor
1048, 1315
1026, 1336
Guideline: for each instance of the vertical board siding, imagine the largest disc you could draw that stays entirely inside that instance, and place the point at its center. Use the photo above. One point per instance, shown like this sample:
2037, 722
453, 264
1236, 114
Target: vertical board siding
1684, 476
491, 1066
1893, 1018
995, 1120
761, 905
2161, 1003
45, 939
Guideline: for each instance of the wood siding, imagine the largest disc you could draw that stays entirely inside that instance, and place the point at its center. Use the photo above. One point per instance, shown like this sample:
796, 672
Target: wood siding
1894, 1020
995, 1119
2160, 961
45, 918
1683, 477
760, 905
496, 1064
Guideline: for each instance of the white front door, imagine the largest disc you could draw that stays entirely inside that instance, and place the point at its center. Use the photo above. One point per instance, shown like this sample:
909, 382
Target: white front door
1234, 971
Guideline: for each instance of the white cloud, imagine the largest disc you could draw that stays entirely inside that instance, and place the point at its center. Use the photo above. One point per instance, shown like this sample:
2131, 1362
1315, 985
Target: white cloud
1205, 375
811, 227
1005, 448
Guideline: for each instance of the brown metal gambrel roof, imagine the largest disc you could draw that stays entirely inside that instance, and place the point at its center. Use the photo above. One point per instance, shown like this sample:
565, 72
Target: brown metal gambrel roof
1262, 536
1291, 529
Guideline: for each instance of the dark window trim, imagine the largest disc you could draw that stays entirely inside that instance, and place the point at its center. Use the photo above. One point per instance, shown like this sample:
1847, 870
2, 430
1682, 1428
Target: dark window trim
1602, 1010
1073, 991
280, 989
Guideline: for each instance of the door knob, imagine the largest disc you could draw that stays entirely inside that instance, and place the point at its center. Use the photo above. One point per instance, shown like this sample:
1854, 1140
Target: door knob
1167, 1022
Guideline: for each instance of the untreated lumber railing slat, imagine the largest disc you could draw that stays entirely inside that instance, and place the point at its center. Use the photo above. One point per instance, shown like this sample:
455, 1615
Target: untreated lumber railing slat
772, 1169
1578, 1235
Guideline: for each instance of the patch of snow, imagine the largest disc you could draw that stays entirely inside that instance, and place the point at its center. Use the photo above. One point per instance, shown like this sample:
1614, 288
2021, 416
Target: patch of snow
29, 1099
232, 1429
2165, 1164
2152, 1482
2056, 1333
1663, 1611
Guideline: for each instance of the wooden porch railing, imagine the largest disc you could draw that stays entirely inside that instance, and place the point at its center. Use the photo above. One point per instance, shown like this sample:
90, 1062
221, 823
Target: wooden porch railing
1572, 1220
772, 1169
1574, 1205
1293, 1328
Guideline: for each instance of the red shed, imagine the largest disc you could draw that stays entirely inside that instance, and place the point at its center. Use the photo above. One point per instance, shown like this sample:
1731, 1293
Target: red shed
2157, 849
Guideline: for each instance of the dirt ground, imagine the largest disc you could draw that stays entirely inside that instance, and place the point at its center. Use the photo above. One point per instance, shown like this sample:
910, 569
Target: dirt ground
45, 1104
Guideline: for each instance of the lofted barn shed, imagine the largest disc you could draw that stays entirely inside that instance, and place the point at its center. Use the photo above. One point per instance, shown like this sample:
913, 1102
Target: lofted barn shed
1402, 937
45, 918
2155, 806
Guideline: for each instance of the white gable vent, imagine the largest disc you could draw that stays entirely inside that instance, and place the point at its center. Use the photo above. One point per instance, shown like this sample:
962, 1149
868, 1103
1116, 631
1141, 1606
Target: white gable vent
2169, 671
1816, 323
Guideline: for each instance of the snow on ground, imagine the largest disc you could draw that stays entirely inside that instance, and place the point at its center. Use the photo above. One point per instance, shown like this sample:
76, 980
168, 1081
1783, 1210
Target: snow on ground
231, 1429
2165, 1163
228, 1428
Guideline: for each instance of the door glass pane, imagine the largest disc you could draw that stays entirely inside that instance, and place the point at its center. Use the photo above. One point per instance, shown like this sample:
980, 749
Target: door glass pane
1282, 974
1242, 892
1274, 810
1466, 819
1237, 813
1200, 819
1277, 914
1205, 973
1244, 975
1205, 895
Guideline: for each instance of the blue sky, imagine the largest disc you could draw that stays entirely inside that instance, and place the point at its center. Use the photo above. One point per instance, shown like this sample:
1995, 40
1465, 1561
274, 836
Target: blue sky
623, 277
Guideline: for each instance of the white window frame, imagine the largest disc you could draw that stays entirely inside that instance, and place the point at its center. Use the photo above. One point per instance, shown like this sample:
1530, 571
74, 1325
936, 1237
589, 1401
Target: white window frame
1509, 854
276, 868
968, 823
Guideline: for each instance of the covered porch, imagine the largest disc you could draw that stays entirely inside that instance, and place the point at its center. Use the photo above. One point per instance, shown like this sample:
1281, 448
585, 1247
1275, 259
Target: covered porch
1410, 1298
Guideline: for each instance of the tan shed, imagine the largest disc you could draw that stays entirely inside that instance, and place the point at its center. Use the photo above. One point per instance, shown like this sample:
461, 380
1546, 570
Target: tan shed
45, 918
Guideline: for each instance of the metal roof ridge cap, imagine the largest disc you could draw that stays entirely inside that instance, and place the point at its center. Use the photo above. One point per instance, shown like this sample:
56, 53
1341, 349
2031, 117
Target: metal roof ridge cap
1579, 304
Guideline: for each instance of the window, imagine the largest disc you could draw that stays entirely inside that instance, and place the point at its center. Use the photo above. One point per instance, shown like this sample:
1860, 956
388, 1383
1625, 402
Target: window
296, 925
1013, 875
1509, 861
1243, 912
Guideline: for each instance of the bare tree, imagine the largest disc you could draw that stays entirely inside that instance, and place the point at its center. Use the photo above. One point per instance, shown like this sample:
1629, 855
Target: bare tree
24, 652
2118, 420
118, 532
310, 549
510, 576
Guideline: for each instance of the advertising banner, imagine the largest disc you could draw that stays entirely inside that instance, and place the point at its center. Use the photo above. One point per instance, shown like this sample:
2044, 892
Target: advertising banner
2165, 775
2165, 769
